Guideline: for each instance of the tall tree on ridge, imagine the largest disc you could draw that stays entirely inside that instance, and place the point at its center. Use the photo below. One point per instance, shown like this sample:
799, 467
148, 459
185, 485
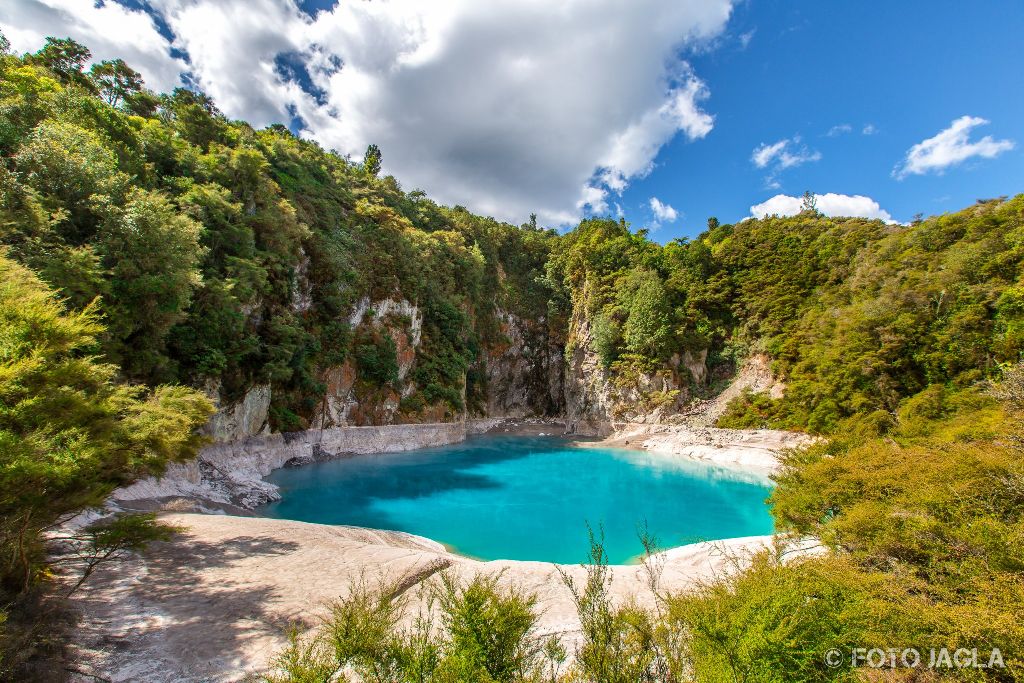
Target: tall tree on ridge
371, 162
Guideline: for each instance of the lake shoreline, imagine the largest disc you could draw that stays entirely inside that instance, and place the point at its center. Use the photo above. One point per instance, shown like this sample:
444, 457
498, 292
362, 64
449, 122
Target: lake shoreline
216, 601
535, 495
753, 450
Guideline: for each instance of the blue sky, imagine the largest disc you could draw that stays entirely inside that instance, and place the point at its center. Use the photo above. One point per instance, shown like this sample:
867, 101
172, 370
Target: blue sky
907, 68
669, 111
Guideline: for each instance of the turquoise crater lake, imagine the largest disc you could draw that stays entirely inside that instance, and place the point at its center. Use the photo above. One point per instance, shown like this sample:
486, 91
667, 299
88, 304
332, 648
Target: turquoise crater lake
528, 497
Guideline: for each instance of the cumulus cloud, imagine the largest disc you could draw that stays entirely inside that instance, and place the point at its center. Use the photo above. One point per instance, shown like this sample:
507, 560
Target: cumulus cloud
109, 30
507, 107
840, 129
830, 204
663, 213
950, 147
232, 46
869, 129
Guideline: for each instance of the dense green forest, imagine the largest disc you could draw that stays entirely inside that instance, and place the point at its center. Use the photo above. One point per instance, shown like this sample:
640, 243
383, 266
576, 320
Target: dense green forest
218, 252
157, 255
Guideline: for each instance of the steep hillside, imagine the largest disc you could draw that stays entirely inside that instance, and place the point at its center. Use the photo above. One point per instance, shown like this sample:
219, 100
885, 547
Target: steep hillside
295, 287
154, 251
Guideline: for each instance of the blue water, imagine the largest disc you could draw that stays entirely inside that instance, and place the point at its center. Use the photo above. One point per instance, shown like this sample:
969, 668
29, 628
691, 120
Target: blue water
528, 498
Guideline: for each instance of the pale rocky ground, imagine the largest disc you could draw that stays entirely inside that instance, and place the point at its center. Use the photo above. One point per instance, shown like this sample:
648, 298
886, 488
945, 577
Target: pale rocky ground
215, 603
752, 450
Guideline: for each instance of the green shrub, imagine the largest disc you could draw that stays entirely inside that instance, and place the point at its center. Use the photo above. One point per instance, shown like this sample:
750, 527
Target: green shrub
487, 637
377, 360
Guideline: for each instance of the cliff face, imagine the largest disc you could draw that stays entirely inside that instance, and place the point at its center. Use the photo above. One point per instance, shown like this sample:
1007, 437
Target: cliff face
525, 373
597, 397
241, 419
346, 402
521, 376
530, 372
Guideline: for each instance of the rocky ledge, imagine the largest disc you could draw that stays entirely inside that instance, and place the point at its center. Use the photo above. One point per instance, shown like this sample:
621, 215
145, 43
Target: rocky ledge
229, 476
755, 450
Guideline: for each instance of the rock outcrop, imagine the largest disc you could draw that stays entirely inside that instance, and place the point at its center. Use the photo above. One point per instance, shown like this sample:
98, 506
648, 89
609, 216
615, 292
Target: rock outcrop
344, 402
597, 397
525, 372
241, 419
231, 473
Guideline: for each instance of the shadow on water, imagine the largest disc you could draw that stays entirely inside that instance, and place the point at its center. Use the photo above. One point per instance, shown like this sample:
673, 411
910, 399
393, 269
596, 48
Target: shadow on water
528, 498
358, 482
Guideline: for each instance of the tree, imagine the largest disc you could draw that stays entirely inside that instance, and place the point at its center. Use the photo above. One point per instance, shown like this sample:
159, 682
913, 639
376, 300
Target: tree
372, 159
648, 328
152, 253
195, 116
712, 223
116, 81
809, 203
65, 58
68, 433
5, 45
142, 103
74, 171
607, 337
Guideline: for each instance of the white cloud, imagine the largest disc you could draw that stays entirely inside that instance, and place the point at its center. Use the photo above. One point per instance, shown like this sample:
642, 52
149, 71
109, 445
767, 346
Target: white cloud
745, 38
593, 199
950, 147
830, 204
783, 154
496, 105
109, 30
663, 213
232, 45
764, 154
507, 107
869, 129
779, 156
632, 151
840, 129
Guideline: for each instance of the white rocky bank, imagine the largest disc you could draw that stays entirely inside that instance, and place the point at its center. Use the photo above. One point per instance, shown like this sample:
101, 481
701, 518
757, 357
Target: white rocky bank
215, 603
232, 472
754, 450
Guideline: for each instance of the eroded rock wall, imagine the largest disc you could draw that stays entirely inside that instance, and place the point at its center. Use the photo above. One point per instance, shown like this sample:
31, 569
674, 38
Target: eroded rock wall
597, 398
241, 419
525, 370
345, 403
